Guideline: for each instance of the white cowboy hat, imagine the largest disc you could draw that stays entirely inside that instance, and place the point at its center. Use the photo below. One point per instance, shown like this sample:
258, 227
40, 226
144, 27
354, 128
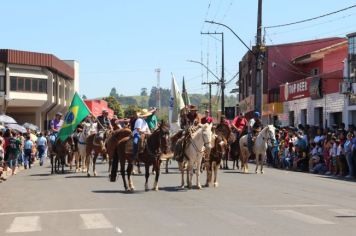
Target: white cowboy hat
144, 112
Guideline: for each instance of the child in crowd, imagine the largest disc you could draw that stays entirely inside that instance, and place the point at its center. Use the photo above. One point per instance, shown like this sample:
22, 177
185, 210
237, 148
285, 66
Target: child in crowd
339, 159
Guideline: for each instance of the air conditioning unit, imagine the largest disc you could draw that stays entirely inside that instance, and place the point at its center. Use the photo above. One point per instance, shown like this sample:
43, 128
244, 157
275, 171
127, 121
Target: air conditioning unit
345, 87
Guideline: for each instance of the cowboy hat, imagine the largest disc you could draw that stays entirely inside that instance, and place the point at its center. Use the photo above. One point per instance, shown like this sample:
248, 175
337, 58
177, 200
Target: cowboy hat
193, 108
144, 112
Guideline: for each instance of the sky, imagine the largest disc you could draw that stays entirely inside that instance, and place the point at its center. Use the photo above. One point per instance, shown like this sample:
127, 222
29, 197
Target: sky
120, 43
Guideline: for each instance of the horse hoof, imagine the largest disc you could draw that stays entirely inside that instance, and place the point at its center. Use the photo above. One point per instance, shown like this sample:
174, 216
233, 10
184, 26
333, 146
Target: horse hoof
88, 174
95, 174
256, 172
262, 172
216, 185
182, 187
199, 187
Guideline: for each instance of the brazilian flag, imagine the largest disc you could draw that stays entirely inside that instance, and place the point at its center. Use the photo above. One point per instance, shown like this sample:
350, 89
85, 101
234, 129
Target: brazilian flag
76, 113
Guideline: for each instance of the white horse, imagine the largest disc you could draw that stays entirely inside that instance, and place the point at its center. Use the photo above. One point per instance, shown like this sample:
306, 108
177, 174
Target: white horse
88, 128
266, 135
197, 146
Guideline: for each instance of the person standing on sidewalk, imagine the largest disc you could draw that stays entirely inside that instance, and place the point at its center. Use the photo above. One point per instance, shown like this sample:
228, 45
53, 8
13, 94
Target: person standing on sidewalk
41, 148
13, 150
28, 152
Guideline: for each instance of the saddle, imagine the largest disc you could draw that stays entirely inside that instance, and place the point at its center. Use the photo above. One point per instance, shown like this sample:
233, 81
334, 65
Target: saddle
141, 144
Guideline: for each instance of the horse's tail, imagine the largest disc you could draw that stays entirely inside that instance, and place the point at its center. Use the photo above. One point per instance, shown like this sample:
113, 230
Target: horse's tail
114, 165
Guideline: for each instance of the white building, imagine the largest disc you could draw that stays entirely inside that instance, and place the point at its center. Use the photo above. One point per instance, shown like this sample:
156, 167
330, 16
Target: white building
34, 86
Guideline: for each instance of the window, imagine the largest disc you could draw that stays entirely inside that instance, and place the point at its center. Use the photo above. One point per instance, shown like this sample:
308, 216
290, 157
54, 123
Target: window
27, 85
35, 84
13, 83
20, 84
42, 86
314, 71
2, 83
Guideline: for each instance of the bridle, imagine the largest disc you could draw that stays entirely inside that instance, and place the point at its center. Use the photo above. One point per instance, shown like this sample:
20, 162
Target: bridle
206, 143
270, 136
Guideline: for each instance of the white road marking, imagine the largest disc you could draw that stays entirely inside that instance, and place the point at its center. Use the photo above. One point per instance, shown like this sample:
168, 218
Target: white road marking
303, 217
95, 221
345, 212
25, 224
53, 211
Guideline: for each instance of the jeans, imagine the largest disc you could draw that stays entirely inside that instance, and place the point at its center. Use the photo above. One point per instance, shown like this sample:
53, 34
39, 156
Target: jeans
136, 139
27, 158
41, 152
350, 163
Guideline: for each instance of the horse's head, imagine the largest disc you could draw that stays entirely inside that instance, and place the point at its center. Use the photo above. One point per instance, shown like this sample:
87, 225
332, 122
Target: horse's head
163, 137
270, 134
207, 135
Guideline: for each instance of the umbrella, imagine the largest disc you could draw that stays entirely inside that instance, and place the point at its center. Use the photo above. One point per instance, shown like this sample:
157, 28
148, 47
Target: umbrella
17, 127
31, 126
7, 119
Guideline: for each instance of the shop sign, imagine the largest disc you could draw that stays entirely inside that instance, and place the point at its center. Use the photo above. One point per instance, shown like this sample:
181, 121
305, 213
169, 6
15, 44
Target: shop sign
294, 90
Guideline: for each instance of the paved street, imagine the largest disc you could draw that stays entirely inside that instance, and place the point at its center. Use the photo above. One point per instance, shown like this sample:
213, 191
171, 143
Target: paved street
277, 203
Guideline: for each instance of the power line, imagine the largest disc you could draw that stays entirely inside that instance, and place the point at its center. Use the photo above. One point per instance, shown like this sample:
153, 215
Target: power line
310, 19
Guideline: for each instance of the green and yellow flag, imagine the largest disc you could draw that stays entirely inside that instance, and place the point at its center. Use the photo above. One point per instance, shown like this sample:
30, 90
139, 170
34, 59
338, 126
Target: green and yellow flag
76, 113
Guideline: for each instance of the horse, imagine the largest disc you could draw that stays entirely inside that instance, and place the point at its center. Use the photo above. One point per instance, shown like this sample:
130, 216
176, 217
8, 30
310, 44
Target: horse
266, 135
58, 153
157, 143
82, 154
96, 148
113, 141
224, 130
199, 143
218, 151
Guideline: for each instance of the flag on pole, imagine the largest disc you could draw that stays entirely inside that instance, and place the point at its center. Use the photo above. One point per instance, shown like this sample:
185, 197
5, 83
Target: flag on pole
185, 95
76, 113
176, 103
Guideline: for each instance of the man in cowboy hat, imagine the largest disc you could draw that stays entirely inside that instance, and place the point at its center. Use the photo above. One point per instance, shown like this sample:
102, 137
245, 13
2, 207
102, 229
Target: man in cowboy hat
152, 120
104, 124
193, 116
141, 127
253, 128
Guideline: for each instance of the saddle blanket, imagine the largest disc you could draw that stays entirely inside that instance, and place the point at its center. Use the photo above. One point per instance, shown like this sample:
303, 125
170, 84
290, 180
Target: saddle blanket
141, 145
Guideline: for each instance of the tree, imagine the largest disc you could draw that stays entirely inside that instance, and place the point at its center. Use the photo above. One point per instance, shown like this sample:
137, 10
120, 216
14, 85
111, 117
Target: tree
113, 93
131, 110
144, 92
84, 97
114, 104
165, 95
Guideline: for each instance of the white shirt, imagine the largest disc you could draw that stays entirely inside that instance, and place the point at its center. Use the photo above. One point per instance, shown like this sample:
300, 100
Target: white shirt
42, 141
142, 125
251, 122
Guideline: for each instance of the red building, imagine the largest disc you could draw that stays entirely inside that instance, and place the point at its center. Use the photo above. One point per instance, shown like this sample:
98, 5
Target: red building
287, 63
96, 107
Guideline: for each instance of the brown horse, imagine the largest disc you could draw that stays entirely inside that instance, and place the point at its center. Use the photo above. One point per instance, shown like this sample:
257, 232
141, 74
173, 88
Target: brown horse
113, 141
216, 156
93, 146
157, 143
58, 153
224, 130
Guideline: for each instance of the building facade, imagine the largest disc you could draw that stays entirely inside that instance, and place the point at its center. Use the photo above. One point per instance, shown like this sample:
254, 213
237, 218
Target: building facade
290, 63
35, 86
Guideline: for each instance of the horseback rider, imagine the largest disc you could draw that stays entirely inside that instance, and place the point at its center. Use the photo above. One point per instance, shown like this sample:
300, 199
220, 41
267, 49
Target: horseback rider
239, 125
141, 127
193, 116
152, 120
254, 127
104, 124
55, 126
207, 119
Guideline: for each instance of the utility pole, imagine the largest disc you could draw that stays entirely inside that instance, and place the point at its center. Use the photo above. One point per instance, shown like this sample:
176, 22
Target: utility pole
259, 62
222, 80
158, 102
210, 84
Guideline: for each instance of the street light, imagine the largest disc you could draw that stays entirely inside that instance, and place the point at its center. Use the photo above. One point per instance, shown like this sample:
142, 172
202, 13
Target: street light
198, 62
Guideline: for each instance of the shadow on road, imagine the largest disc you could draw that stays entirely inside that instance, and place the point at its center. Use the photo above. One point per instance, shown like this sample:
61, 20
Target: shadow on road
84, 177
237, 172
345, 216
41, 175
119, 191
173, 189
336, 178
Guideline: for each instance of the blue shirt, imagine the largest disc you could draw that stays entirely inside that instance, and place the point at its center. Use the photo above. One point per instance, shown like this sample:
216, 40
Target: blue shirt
41, 141
28, 144
347, 146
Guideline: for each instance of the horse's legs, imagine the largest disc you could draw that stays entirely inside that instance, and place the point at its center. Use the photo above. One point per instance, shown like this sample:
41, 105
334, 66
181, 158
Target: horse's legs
167, 160
129, 172
138, 167
208, 173
181, 168
262, 162
198, 175
147, 175
94, 166
51, 158
122, 171
157, 166
215, 168
63, 160
190, 174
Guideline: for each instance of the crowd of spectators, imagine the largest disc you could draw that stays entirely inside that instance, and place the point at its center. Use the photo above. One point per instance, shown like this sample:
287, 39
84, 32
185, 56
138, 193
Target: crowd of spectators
315, 150
20, 150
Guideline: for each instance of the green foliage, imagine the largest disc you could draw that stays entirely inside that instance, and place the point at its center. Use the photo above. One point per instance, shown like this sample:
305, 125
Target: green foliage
84, 97
144, 92
113, 93
164, 94
131, 110
114, 104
